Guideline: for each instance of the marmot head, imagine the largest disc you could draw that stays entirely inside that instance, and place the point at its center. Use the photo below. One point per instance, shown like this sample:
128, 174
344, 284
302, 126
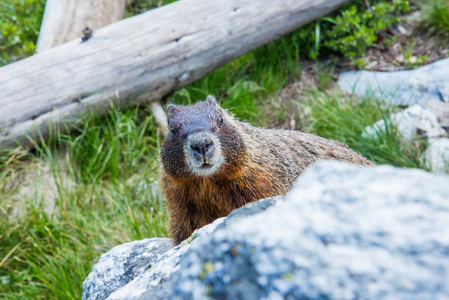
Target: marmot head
202, 140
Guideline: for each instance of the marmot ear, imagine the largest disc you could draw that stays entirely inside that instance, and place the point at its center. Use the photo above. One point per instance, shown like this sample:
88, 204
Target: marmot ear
211, 100
172, 109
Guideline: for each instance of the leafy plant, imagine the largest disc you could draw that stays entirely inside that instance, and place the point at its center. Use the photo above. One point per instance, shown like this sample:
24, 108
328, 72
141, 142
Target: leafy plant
19, 28
354, 31
350, 30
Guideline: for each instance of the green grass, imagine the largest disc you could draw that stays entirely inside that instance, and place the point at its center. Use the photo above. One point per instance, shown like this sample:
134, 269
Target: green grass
435, 18
106, 194
104, 174
334, 116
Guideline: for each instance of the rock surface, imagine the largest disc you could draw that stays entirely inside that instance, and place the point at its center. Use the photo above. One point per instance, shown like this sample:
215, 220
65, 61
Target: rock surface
416, 121
343, 232
437, 156
122, 264
440, 110
430, 82
410, 122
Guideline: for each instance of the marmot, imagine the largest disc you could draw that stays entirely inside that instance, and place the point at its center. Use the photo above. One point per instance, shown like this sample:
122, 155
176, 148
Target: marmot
212, 163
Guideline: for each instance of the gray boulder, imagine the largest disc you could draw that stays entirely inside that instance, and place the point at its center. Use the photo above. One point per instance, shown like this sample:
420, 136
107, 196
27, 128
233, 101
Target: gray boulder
342, 232
430, 82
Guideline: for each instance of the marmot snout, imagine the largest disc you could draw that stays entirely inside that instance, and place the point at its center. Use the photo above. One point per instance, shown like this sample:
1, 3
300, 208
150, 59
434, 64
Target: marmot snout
212, 163
203, 153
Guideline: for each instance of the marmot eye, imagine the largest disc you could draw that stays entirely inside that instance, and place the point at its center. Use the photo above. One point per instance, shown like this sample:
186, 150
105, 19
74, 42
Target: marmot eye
220, 120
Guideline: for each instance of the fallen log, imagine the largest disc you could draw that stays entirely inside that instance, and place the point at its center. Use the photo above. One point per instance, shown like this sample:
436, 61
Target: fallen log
135, 59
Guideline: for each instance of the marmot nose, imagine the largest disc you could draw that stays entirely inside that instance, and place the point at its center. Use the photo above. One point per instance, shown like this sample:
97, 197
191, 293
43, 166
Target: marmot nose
202, 146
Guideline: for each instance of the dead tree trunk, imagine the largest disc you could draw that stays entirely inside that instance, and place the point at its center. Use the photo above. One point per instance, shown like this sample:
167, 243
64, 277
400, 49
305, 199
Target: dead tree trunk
64, 20
149, 54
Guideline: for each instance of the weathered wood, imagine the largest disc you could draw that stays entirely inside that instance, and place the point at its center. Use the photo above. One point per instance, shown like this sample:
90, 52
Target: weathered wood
64, 20
149, 54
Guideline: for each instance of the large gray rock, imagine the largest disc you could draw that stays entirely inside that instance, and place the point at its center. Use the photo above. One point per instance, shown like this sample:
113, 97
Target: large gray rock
343, 232
409, 87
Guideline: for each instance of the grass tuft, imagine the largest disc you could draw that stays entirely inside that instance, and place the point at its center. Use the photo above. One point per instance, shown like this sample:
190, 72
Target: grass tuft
334, 116
435, 18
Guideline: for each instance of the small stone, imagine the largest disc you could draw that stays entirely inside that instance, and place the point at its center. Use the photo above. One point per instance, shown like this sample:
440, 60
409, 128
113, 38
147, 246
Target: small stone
403, 30
412, 59
372, 64
411, 122
441, 110
437, 155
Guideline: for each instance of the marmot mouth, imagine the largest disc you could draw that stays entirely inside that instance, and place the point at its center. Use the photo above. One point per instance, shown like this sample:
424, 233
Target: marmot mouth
206, 166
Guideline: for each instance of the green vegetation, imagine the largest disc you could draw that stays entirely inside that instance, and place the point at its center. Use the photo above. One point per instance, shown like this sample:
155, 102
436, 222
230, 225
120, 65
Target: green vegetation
102, 177
411, 61
332, 115
352, 29
436, 17
103, 187
140, 6
20, 21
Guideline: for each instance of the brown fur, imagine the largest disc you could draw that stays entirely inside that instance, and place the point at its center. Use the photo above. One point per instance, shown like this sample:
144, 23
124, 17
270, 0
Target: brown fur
258, 163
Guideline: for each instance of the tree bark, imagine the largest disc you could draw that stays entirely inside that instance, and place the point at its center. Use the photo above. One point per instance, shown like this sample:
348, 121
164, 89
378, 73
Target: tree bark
144, 56
64, 20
